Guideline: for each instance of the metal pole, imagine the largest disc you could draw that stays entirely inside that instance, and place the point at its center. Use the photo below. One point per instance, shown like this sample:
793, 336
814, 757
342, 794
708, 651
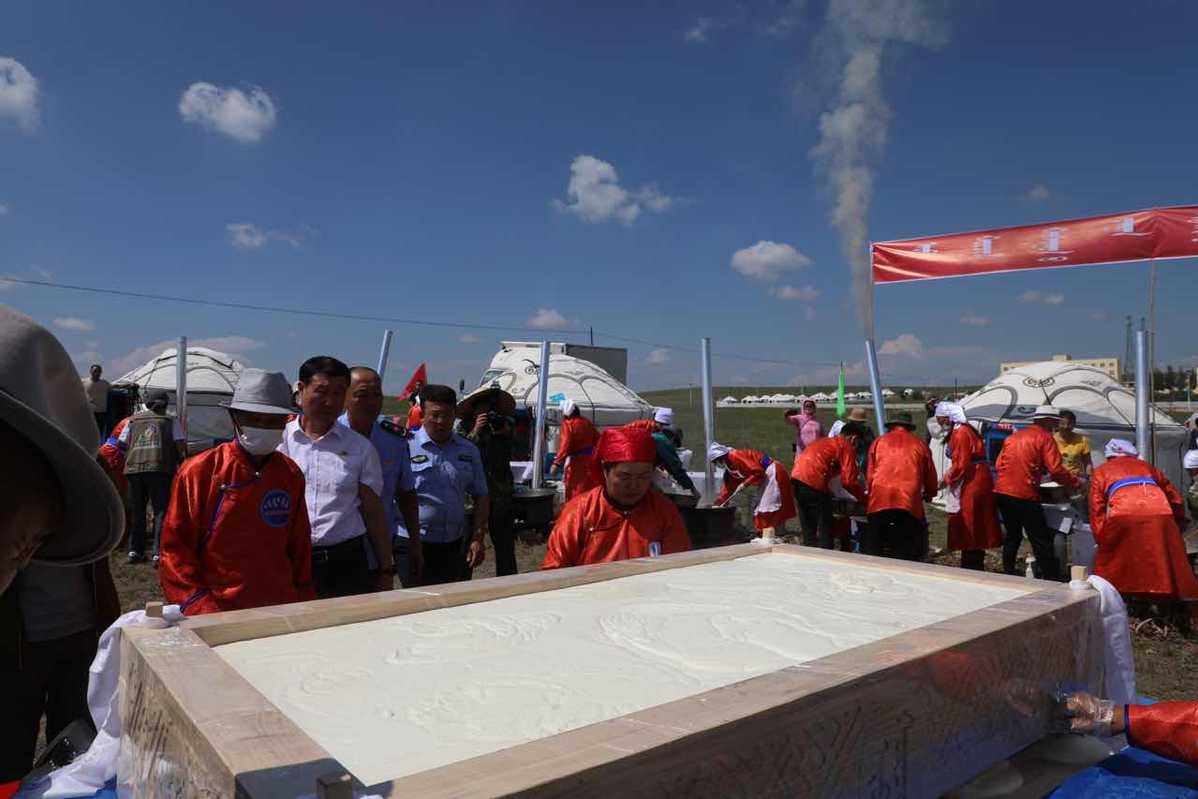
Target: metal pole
181, 384
875, 384
538, 447
1151, 357
1142, 388
708, 419
383, 353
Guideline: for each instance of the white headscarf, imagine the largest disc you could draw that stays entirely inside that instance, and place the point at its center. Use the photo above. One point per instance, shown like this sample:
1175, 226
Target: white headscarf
717, 451
834, 430
953, 410
664, 416
1190, 461
1119, 446
567, 407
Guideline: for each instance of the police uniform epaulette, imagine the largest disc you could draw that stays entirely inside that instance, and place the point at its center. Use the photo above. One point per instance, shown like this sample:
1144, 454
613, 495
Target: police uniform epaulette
393, 426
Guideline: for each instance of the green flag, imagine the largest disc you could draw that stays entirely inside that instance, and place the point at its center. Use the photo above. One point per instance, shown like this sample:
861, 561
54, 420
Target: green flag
840, 393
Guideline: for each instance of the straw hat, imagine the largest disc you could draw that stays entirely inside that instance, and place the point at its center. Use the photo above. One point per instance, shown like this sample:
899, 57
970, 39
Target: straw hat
501, 402
856, 414
901, 419
260, 391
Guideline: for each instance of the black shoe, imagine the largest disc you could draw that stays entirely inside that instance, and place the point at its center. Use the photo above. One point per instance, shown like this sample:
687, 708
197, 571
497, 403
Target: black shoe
136, 557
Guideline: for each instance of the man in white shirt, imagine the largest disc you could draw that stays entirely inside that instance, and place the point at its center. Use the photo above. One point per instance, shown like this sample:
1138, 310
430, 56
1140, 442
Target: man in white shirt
96, 389
351, 545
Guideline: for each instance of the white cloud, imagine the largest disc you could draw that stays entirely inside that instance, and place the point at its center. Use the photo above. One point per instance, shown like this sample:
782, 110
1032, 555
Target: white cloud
975, 320
44, 274
697, 33
547, 319
908, 344
595, 195
1100, 316
801, 293
658, 357
18, 94
1038, 193
244, 116
3, 209
235, 345
767, 260
75, 323
246, 236
467, 338
1044, 298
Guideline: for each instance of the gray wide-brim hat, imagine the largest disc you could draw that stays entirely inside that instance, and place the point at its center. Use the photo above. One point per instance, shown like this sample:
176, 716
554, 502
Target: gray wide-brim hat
260, 391
42, 397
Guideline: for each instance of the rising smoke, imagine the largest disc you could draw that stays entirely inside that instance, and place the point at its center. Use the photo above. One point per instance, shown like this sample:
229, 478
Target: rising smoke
853, 131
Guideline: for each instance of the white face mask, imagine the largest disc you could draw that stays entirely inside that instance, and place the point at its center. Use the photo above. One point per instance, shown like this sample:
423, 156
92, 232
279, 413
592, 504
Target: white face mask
259, 440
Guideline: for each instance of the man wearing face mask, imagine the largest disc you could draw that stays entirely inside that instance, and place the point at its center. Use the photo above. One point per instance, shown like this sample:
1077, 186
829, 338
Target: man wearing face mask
237, 534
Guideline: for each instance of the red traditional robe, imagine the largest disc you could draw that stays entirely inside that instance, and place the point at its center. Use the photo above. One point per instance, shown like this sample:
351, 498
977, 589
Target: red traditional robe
577, 452
592, 530
758, 469
975, 526
1135, 512
1168, 729
900, 473
825, 459
648, 425
113, 453
1024, 459
415, 416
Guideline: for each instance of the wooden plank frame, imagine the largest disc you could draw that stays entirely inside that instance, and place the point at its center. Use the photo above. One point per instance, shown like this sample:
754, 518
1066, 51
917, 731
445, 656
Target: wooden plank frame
914, 714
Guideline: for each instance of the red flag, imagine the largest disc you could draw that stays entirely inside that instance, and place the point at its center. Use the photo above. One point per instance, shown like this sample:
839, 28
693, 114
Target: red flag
419, 376
1133, 236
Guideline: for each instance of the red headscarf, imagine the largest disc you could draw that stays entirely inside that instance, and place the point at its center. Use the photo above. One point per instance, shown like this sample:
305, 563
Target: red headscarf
620, 445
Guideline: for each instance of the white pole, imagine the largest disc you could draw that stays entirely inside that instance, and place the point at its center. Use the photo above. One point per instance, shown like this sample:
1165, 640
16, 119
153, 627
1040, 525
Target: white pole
383, 353
181, 384
538, 448
875, 384
1142, 401
708, 420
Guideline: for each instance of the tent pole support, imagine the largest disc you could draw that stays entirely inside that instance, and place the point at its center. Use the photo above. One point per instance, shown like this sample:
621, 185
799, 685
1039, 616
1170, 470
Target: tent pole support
708, 418
538, 448
1143, 443
181, 385
875, 384
384, 352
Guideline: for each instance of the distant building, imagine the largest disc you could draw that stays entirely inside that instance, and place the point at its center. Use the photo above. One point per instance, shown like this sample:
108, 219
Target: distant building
1108, 365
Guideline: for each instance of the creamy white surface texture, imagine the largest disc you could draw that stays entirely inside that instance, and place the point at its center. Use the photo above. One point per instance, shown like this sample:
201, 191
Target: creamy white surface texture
401, 695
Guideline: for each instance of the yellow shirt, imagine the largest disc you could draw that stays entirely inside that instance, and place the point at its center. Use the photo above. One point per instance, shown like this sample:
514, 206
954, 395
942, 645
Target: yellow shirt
1074, 452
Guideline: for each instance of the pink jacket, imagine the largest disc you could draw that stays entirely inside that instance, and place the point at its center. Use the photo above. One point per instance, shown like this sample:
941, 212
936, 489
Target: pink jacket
807, 430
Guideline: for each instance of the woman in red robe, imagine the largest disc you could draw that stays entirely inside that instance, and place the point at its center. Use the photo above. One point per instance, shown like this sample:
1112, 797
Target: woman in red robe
973, 527
777, 503
1137, 515
576, 452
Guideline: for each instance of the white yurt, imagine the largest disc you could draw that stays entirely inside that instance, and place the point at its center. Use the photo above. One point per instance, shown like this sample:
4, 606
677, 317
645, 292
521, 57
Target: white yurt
211, 378
1104, 408
729, 401
600, 397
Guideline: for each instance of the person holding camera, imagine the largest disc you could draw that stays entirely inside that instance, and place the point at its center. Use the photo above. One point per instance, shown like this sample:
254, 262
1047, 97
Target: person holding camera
487, 418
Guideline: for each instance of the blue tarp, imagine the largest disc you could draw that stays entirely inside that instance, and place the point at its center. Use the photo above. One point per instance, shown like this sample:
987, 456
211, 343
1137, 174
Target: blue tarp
1133, 774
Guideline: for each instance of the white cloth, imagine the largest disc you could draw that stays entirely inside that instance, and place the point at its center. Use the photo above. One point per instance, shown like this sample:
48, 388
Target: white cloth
1190, 460
835, 429
771, 493
334, 465
952, 497
716, 451
1119, 446
176, 432
88, 773
953, 410
97, 393
664, 416
567, 407
1119, 681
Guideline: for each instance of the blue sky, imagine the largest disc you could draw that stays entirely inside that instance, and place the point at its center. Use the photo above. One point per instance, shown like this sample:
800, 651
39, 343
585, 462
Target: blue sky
416, 162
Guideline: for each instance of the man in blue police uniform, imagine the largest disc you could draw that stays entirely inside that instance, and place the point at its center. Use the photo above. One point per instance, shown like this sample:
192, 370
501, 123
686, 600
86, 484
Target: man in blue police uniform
363, 404
446, 467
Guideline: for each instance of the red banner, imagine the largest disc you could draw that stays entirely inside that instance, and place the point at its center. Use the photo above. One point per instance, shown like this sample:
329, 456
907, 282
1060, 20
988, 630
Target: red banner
1134, 236
418, 378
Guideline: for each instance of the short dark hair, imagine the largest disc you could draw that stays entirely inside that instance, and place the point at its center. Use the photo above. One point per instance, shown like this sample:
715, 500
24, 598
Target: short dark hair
443, 395
853, 429
1070, 415
325, 365
96, 366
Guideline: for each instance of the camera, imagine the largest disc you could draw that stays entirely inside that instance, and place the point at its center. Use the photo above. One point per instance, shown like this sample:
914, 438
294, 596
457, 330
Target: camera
495, 420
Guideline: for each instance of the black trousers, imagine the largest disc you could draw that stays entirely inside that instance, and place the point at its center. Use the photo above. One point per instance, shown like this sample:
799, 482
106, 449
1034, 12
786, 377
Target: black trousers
503, 539
973, 559
102, 424
51, 680
815, 515
443, 563
893, 533
1020, 516
342, 569
154, 487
